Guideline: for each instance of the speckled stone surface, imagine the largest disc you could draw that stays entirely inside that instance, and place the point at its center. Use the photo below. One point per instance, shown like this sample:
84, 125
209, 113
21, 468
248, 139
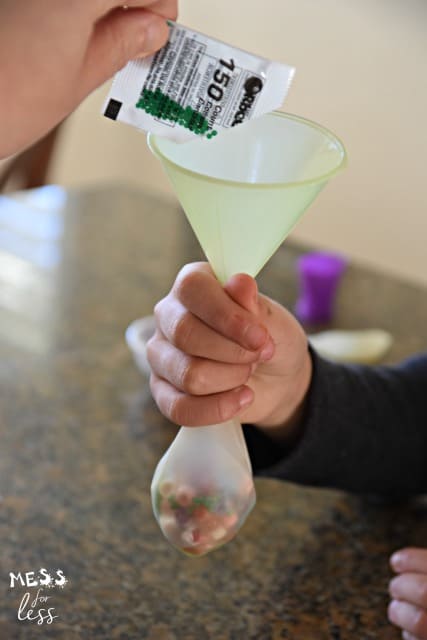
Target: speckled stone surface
80, 437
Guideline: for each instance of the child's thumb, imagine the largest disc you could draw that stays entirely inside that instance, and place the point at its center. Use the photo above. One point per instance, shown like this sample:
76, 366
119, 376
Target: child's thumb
244, 290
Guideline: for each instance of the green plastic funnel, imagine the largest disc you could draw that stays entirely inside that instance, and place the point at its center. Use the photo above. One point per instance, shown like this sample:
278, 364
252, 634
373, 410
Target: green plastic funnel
245, 190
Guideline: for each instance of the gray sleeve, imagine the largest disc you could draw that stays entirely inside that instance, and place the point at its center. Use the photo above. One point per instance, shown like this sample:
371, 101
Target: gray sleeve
364, 431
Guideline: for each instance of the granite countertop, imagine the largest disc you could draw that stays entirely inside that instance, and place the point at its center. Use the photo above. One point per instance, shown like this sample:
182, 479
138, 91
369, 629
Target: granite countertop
81, 435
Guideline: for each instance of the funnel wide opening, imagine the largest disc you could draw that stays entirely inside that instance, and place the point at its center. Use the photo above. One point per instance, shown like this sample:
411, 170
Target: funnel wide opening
276, 149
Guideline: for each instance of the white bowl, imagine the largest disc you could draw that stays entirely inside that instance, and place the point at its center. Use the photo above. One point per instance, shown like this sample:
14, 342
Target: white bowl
367, 346
137, 335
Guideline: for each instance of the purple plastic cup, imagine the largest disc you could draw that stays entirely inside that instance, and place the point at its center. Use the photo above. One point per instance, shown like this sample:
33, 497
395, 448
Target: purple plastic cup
319, 276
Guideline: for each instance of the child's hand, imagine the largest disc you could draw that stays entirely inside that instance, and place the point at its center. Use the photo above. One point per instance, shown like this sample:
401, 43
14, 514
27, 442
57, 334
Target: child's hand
408, 608
221, 352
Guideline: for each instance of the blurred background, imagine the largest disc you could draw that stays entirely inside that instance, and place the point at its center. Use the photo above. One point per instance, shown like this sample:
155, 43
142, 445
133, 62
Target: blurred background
361, 71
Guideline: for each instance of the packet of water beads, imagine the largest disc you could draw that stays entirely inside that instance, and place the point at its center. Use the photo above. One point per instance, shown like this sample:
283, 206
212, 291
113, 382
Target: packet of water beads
202, 489
196, 86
